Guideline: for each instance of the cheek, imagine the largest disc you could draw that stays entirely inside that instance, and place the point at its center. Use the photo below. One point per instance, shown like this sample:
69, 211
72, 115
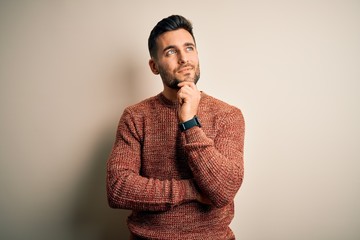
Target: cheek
168, 66
164, 68
194, 58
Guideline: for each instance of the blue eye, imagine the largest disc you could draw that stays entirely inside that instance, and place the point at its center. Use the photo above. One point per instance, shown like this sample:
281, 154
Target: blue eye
170, 52
189, 49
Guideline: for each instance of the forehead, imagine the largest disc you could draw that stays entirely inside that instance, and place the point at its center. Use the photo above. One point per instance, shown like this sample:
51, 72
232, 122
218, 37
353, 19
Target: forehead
175, 38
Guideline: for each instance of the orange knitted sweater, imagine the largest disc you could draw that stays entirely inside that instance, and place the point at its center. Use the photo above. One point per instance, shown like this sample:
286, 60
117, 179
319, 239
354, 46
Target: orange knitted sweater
158, 171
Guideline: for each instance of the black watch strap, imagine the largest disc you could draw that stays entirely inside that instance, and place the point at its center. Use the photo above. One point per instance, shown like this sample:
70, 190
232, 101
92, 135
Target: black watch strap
189, 124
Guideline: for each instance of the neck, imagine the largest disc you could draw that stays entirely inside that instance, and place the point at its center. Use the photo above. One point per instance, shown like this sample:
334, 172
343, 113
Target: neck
170, 93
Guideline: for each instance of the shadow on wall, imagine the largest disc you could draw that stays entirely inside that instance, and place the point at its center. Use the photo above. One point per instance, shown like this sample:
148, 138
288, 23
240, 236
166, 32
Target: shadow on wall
92, 217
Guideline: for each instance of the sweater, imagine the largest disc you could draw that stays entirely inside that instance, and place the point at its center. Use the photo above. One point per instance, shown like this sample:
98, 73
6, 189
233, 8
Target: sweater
159, 172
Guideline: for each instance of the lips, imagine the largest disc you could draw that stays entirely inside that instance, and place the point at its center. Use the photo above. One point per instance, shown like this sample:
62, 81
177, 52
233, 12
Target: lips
185, 69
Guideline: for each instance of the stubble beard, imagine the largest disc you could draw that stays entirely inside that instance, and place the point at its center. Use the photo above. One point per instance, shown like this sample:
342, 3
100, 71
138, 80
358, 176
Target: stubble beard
171, 82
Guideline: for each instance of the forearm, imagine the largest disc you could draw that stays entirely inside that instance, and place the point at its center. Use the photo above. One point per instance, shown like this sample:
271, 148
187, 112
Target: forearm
217, 165
218, 177
127, 190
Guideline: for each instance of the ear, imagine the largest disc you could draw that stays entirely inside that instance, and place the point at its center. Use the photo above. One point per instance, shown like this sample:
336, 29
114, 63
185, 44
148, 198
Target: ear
153, 66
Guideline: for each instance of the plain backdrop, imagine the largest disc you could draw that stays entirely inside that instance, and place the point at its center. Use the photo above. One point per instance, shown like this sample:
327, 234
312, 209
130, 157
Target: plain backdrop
68, 69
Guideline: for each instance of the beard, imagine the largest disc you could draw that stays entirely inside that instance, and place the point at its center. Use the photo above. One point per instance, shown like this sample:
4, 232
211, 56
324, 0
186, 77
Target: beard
172, 82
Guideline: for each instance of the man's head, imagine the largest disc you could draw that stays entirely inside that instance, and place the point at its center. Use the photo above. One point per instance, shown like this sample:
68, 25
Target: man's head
171, 23
173, 51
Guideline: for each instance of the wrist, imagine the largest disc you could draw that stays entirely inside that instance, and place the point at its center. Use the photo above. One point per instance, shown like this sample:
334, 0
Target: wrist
186, 117
193, 122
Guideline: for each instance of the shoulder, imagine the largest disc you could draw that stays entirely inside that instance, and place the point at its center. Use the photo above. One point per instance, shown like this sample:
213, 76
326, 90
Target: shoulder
136, 113
133, 116
219, 113
142, 107
216, 106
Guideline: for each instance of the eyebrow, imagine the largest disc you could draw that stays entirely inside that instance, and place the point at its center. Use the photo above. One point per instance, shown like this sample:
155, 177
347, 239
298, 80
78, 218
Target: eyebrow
189, 44
173, 46
168, 47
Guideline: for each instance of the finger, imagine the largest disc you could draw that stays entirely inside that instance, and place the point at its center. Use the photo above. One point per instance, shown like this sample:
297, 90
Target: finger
186, 95
187, 83
181, 96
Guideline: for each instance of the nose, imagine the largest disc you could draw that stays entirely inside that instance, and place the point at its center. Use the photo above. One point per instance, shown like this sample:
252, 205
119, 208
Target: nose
182, 58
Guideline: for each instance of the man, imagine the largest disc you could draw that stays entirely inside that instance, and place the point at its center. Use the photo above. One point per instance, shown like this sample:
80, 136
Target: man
177, 161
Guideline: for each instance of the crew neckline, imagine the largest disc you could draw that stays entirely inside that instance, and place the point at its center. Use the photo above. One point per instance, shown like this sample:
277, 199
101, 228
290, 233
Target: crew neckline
173, 104
167, 102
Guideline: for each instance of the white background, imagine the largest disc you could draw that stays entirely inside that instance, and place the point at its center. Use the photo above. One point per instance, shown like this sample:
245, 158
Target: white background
68, 69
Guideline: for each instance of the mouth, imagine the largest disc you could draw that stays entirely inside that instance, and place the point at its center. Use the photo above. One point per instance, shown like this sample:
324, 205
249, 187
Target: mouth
185, 69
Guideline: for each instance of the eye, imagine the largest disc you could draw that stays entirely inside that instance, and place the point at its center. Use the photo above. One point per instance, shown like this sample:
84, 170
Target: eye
190, 48
170, 52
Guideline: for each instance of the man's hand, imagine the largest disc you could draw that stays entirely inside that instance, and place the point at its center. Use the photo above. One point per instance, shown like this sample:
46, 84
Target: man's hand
189, 99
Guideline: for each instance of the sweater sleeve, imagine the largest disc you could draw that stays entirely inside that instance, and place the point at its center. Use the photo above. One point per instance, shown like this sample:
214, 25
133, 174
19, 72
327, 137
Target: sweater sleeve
217, 165
127, 189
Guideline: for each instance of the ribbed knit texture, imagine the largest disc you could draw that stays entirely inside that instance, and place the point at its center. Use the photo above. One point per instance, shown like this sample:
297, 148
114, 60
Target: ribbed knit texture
158, 171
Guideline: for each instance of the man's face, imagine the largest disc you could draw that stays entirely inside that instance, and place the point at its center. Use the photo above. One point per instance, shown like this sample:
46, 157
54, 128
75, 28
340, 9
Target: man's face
177, 58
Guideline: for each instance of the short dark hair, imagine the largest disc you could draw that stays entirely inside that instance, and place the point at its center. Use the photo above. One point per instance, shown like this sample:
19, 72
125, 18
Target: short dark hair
170, 23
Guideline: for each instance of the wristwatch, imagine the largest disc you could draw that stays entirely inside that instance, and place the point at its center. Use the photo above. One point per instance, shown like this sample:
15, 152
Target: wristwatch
189, 124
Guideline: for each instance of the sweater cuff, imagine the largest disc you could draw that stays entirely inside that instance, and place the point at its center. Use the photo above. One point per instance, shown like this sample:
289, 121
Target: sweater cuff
194, 135
191, 193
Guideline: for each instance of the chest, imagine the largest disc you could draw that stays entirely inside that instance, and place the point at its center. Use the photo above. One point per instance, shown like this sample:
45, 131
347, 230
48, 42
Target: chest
162, 154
